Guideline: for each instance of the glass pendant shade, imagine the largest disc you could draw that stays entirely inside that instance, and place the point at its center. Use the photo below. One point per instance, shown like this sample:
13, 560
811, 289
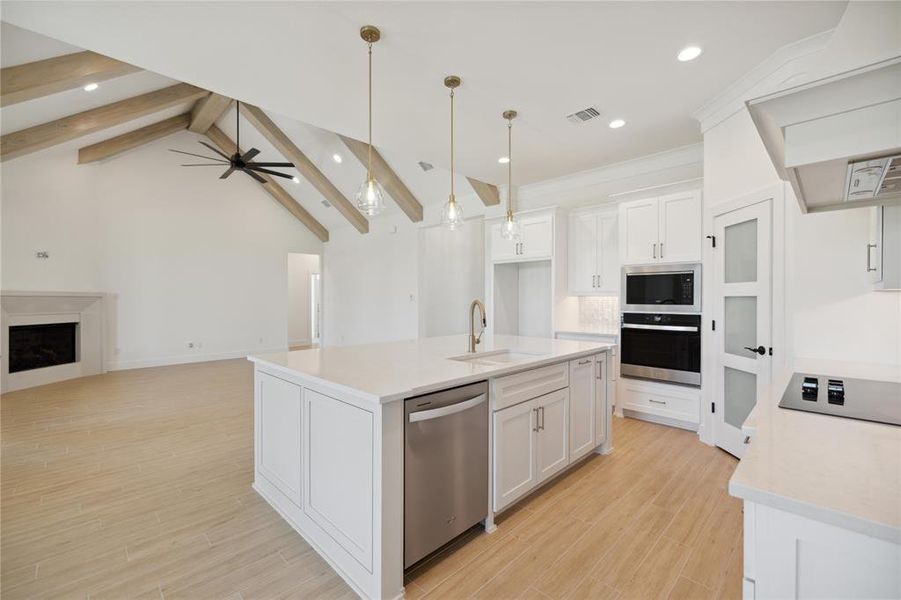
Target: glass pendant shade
510, 228
370, 197
452, 214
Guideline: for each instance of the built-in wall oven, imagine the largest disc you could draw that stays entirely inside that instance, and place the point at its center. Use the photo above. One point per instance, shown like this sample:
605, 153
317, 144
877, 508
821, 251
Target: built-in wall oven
660, 336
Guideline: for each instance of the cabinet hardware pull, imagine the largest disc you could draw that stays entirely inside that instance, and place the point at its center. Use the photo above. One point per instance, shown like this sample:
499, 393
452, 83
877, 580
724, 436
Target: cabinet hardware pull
656, 401
541, 427
747, 439
585, 362
654, 250
869, 269
661, 249
599, 281
535, 410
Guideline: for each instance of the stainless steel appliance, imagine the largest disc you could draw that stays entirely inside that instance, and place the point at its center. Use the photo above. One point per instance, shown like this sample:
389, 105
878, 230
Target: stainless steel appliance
662, 288
445, 467
661, 346
866, 400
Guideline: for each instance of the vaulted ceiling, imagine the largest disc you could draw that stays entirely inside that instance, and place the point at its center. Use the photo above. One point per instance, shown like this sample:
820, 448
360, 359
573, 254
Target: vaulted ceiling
305, 61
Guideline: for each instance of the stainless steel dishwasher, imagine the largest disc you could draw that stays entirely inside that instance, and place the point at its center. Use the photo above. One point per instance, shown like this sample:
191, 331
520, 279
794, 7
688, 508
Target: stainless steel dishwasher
445, 467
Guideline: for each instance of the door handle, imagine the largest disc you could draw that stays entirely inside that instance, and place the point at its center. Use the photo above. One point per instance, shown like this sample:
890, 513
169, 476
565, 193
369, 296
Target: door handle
869, 268
427, 415
759, 350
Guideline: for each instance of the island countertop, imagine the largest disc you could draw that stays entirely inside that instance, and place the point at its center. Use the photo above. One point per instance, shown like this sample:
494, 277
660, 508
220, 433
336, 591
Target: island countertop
835, 470
395, 370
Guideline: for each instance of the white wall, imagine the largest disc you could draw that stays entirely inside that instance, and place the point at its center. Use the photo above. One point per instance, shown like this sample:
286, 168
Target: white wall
187, 257
300, 267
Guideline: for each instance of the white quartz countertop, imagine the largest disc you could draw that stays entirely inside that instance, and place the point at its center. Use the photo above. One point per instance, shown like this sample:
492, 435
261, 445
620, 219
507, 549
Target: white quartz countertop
395, 370
835, 470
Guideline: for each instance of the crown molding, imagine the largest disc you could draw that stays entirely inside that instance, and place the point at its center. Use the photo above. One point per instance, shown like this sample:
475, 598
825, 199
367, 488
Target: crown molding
785, 66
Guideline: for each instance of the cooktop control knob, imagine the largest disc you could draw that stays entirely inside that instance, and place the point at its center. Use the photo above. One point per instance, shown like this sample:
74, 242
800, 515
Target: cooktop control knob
836, 389
810, 387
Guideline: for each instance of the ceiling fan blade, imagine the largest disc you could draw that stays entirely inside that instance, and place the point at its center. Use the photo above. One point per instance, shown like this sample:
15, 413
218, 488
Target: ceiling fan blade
254, 175
267, 171
216, 150
272, 164
250, 154
228, 172
203, 165
198, 155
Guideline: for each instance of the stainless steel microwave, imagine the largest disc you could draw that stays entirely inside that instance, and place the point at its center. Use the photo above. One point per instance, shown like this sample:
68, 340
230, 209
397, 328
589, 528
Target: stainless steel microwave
672, 288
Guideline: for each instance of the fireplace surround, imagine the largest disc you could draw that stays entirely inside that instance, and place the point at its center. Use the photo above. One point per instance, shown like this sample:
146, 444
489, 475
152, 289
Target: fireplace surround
50, 336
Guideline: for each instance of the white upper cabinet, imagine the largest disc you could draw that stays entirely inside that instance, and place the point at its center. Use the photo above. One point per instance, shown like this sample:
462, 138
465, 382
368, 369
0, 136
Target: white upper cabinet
680, 227
665, 229
638, 232
593, 253
536, 240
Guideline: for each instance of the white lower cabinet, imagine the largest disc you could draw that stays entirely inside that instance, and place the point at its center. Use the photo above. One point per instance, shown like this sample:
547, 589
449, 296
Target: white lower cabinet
582, 407
790, 556
540, 436
278, 434
552, 447
679, 404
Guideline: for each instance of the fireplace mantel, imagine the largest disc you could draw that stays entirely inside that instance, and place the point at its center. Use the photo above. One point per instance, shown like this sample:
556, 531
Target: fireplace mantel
40, 307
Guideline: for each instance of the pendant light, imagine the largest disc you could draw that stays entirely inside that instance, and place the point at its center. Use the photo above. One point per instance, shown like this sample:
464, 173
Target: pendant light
510, 228
451, 214
370, 196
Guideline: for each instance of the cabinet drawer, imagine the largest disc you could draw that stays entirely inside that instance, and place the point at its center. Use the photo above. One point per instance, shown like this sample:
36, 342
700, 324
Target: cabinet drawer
520, 387
674, 403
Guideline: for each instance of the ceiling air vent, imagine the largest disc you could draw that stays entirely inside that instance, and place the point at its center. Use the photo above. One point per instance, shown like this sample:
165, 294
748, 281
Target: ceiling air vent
586, 114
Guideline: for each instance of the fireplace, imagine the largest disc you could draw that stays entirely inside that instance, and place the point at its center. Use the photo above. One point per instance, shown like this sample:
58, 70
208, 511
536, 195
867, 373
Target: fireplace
44, 345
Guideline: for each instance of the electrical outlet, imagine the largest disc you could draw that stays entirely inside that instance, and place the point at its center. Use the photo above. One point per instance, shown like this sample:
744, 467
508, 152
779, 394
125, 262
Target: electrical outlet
42, 254
190, 344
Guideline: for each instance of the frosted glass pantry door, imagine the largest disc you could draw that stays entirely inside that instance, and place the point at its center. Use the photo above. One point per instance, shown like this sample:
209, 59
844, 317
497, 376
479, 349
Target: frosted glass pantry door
743, 318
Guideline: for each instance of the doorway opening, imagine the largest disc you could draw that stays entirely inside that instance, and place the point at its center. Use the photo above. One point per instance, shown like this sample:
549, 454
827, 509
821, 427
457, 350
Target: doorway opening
304, 300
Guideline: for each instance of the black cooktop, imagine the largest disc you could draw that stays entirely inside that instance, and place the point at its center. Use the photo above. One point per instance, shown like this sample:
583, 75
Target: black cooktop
878, 401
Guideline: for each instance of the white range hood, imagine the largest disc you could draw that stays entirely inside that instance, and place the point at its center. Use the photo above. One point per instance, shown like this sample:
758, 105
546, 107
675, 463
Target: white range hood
837, 140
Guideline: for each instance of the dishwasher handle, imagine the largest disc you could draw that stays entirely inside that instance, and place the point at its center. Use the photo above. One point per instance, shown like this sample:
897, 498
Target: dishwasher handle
450, 409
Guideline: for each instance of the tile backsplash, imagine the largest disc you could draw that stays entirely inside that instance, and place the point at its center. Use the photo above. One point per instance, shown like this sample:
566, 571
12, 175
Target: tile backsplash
599, 314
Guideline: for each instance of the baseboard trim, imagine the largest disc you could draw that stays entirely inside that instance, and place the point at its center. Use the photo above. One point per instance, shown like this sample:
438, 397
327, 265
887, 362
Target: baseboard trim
186, 358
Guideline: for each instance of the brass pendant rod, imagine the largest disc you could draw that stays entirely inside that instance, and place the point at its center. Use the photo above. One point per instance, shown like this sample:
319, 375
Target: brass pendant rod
369, 166
509, 167
452, 142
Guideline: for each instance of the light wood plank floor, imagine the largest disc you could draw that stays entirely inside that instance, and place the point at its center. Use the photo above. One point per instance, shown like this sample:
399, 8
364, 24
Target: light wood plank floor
136, 484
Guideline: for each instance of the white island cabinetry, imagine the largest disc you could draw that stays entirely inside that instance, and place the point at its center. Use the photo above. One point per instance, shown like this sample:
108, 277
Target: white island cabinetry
329, 436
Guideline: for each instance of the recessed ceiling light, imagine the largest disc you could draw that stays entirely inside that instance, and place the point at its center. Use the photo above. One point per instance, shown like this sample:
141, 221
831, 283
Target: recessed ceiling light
689, 53
91, 87
337, 158
295, 179
504, 160
616, 123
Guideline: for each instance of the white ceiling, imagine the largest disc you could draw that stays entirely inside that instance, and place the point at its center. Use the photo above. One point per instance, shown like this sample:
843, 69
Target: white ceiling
546, 59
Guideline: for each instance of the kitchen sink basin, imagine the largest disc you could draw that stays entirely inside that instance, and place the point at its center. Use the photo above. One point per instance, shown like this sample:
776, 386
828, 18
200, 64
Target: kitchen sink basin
498, 357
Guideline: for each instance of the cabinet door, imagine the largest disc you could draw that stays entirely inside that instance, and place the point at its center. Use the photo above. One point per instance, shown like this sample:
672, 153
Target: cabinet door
581, 407
552, 451
601, 406
514, 452
501, 249
278, 434
537, 237
608, 269
680, 227
583, 253
874, 244
638, 231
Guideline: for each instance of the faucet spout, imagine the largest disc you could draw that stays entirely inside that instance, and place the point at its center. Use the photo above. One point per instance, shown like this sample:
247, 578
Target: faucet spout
473, 340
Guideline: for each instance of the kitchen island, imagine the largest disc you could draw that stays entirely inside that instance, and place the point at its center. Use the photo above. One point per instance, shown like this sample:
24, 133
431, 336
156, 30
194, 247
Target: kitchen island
329, 434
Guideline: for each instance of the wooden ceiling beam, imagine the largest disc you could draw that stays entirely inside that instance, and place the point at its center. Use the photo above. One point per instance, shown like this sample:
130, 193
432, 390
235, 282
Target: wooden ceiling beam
486, 192
57, 74
133, 139
227, 145
207, 111
19, 143
304, 166
386, 176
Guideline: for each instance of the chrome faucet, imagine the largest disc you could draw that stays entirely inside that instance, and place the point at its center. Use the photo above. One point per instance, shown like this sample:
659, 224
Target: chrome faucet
473, 340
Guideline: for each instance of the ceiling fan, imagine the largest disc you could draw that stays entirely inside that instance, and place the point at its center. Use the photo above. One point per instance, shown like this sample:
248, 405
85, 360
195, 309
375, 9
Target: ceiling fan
237, 161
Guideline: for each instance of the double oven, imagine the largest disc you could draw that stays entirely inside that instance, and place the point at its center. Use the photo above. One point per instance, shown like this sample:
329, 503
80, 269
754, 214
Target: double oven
661, 323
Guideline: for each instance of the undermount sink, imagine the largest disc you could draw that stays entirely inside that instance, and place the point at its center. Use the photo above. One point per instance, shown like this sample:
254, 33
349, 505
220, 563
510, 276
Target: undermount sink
497, 357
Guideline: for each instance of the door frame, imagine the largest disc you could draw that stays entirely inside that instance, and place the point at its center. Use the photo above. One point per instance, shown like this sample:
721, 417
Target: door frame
782, 199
